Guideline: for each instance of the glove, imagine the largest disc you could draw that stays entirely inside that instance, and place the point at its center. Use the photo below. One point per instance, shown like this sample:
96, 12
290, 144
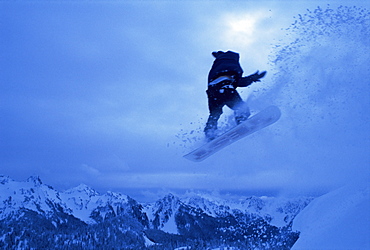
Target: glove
257, 76
246, 81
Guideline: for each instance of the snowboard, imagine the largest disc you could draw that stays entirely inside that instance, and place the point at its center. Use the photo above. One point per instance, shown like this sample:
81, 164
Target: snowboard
256, 122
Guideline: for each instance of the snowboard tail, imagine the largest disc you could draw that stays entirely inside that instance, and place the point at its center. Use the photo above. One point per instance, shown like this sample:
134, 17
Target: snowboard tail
259, 121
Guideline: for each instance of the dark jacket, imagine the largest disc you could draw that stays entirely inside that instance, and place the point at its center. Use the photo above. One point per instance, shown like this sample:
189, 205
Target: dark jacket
226, 63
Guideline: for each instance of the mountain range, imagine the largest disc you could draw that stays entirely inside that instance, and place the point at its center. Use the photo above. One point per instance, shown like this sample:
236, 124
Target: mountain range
34, 215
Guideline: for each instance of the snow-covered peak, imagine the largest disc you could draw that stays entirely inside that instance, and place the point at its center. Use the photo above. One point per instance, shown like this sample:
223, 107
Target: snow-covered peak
31, 194
35, 180
279, 211
189, 215
211, 205
83, 201
161, 214
166, 205
114, 197
82, 190
276, 211
88, 205
4, 179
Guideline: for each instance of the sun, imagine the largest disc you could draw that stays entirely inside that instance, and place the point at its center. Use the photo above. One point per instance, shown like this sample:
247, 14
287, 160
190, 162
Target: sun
241, 29
245, 24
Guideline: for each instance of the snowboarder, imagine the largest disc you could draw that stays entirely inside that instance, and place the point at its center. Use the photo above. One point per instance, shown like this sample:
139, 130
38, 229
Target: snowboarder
223, 79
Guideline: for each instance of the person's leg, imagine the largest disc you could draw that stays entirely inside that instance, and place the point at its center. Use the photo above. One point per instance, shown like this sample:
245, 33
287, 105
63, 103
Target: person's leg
215, 104
241, 110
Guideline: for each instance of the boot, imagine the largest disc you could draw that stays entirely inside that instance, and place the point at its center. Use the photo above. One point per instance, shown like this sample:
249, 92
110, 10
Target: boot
241, 117
210, 134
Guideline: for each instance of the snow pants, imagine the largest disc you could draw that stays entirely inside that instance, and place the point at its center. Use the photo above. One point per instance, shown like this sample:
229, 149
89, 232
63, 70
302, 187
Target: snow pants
217, 99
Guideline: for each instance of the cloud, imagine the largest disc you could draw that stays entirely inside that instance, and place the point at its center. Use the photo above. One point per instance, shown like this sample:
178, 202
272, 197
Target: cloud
90, 171
200, 180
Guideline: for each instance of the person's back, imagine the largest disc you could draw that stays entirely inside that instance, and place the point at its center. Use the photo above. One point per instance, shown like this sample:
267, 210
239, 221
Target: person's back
226, 63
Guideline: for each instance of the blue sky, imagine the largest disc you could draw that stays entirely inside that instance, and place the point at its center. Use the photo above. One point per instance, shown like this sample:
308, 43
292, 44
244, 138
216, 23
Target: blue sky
101, 93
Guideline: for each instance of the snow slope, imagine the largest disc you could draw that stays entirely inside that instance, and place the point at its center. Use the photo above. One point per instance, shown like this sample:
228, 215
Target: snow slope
337, 220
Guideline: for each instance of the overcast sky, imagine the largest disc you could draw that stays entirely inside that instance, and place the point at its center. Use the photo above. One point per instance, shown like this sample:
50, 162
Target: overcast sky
103, 93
